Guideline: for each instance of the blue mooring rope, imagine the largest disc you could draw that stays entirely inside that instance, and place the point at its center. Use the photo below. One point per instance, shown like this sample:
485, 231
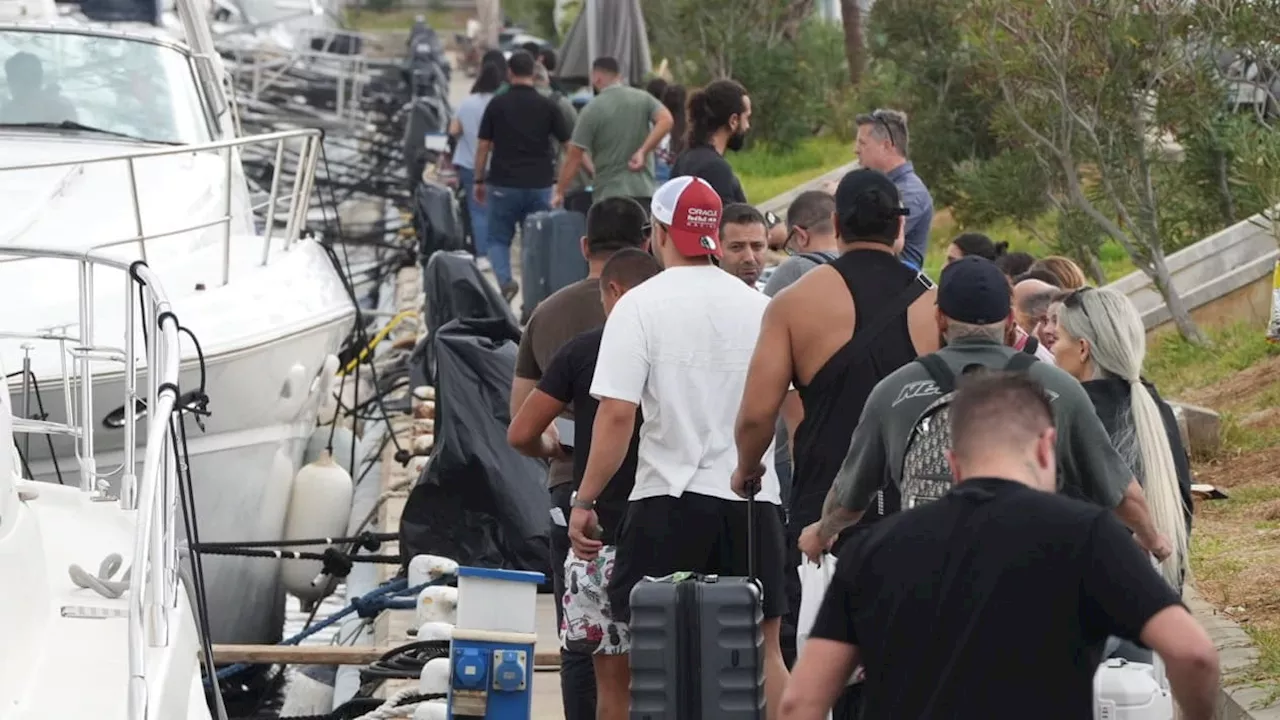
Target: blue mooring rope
391, 595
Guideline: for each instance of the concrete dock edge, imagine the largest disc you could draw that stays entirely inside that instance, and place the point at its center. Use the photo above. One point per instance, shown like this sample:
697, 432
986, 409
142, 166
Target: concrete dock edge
1238, 699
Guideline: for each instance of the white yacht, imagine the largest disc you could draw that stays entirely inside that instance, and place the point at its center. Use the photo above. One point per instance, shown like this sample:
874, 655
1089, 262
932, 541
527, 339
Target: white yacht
97, 617
121, 142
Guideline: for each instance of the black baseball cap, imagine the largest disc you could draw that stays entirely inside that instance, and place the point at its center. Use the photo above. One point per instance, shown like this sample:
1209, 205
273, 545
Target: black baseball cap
868, 205
974, 290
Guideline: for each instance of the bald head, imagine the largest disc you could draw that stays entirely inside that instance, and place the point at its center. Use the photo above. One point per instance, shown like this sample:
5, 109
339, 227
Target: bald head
1031, 300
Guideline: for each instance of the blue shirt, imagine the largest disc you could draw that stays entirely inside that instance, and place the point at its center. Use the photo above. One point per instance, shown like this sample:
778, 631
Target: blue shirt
919, 204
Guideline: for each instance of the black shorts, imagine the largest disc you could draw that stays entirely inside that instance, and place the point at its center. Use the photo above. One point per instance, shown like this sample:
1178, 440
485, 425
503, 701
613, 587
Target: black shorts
697, 533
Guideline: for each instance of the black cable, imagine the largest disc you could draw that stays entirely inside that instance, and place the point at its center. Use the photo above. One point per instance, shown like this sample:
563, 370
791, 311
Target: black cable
368, 540
57, 467
405, 662
402, 455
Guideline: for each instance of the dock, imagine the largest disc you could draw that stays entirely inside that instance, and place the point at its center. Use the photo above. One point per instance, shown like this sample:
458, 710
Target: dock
392, 627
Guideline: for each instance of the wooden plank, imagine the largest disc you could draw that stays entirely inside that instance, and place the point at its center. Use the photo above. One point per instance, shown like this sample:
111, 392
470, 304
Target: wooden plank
324, 655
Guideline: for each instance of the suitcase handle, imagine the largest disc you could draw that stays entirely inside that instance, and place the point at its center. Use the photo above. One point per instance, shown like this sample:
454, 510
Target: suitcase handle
752, 489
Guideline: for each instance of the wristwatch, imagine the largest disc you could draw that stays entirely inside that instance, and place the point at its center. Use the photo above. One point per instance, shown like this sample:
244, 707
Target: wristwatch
574, 502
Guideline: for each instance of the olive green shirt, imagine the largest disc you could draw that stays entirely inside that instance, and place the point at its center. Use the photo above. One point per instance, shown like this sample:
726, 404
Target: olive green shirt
582, 179
611, 128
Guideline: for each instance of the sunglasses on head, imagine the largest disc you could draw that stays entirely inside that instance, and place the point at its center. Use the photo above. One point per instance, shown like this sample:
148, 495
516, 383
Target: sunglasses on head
881, 118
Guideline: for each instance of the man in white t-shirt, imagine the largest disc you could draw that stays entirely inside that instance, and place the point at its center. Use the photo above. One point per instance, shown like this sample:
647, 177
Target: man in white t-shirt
678, 346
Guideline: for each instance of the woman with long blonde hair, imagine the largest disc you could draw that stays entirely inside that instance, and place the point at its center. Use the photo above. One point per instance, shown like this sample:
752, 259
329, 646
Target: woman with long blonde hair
1101, 341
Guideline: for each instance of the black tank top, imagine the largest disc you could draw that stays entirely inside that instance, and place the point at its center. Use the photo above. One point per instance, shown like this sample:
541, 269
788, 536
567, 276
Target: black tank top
882, 288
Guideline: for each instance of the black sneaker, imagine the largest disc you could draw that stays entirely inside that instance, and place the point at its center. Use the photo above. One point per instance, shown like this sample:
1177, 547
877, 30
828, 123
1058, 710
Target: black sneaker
509, 290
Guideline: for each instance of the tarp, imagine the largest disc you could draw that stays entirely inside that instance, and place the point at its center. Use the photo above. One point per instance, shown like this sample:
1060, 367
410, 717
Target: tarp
478, 501
615, 29
455, 289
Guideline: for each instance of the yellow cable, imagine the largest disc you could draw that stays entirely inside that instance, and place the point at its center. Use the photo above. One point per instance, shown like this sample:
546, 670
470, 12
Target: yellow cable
382, 334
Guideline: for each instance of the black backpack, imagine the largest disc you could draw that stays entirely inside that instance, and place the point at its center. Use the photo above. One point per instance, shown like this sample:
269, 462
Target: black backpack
926, 474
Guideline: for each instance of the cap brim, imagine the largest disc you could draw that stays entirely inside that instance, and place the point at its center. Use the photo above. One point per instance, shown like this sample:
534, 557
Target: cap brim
695, 244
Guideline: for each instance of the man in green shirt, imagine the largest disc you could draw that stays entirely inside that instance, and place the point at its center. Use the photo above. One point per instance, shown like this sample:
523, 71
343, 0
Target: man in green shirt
619, 129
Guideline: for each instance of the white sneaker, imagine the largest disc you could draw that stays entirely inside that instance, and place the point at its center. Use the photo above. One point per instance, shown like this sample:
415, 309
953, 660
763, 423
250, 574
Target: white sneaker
483, 264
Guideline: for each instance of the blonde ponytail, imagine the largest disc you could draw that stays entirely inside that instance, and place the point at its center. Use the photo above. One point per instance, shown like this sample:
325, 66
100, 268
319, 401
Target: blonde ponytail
1118, 346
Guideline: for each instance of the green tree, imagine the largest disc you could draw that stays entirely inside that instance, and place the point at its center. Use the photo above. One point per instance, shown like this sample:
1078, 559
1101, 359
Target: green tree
923, 64
1094, 88
790, 64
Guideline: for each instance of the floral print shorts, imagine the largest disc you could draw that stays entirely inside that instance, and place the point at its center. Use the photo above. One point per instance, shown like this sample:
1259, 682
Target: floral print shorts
587, 625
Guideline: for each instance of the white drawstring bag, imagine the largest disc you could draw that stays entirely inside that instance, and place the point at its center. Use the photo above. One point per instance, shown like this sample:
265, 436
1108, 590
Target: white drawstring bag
814, 580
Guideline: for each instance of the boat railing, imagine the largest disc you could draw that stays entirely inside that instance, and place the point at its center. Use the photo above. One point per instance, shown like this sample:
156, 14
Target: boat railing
291, 157
263, 69
151, 330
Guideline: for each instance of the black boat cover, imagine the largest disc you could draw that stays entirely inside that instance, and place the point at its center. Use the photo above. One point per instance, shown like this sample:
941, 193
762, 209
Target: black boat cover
478, 501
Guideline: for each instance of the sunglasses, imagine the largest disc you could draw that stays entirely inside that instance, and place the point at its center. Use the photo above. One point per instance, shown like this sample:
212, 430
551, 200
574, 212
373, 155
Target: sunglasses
882, 119
771, 219
1075, 301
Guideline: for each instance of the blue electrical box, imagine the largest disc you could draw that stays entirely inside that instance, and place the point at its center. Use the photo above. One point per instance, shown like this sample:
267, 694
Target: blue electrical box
492, 673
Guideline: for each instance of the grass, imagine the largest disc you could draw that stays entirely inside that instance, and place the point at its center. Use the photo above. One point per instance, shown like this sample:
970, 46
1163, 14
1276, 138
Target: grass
1235, 549
766, 172
1176, 366
1115, 261
444, 21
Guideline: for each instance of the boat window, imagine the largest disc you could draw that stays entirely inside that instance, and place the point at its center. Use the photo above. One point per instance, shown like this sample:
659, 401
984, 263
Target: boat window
126, 87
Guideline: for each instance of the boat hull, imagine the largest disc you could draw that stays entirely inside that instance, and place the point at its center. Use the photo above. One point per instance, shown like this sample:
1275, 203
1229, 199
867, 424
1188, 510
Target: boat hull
242, 463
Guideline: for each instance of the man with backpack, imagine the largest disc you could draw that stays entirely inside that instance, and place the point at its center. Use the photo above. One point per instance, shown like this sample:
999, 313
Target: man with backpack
904, 433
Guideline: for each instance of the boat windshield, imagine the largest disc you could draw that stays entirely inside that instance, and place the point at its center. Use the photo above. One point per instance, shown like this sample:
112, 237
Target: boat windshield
64, 81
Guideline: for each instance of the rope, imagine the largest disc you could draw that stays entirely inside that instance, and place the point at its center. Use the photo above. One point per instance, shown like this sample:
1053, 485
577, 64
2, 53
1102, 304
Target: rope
103, 584
392, 707
392, 595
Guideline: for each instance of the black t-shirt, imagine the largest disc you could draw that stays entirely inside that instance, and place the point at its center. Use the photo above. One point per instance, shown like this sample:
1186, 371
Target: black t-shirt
996, 598
568, 379
519, 123
704, 162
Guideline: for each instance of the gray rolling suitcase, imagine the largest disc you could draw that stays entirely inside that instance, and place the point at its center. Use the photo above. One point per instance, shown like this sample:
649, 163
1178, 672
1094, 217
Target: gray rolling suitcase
696, 647
550, 254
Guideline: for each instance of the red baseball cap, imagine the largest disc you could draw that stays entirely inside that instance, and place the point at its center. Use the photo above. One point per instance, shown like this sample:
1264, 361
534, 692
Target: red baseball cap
690, 208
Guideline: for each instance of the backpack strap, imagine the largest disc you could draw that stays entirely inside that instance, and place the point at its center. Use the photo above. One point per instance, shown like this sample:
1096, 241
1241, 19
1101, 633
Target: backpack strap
1031, 345
939, 372
818, 258
1021, 362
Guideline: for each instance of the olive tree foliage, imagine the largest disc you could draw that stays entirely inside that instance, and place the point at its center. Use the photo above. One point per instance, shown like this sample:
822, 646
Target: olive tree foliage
922, 63
1094, 89
791, 65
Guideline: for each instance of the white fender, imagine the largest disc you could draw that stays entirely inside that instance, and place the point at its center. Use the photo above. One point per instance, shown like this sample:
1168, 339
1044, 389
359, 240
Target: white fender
434, 631
437, 604
430, 568
435, 677
318, 507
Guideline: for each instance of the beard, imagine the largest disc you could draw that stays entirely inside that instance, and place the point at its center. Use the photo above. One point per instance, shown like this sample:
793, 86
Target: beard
736, 141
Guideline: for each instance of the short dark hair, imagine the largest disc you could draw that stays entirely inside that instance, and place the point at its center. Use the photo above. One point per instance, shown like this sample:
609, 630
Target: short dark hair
657, 87
741, 214
812, 210
1015, 263
549, 59
532, 48
711, 107
614, 224
997, 410
1037, 304
1037, 274
972, 243
606, 64
629, 267
888, 125
521, 64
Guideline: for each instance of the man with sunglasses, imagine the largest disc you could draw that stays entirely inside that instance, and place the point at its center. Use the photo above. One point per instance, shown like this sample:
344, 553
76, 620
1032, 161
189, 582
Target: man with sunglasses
882, 145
